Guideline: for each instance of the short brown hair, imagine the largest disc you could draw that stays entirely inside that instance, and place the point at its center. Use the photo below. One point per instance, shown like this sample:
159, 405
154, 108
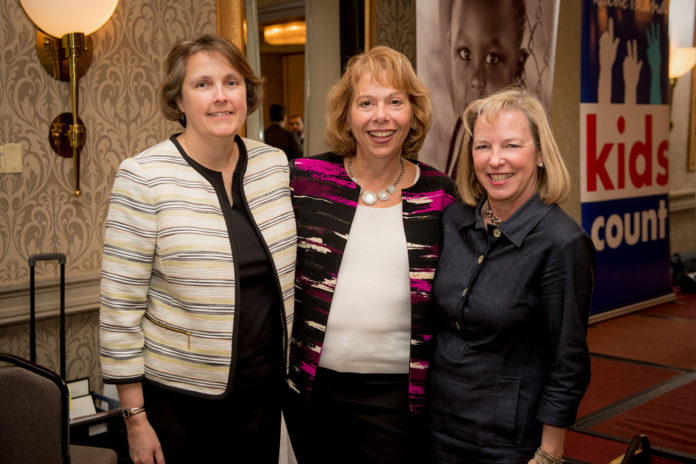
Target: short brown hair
170, 93
553, 183
389, 67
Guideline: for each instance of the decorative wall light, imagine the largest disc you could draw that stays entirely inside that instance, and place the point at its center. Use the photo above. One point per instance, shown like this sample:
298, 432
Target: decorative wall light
292, 33
65, 51
681, 60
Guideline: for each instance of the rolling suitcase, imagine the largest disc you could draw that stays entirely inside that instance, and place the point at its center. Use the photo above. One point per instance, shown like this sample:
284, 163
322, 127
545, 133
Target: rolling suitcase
60, 257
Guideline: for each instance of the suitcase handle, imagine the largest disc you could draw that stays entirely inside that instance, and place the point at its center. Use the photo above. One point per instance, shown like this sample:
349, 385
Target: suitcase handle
60, 257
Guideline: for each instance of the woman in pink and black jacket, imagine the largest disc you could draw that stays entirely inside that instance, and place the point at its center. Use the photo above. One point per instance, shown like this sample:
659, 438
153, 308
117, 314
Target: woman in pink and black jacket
368, 222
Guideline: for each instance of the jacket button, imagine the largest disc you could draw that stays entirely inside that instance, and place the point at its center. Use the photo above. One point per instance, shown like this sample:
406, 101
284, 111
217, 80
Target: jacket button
464, 291
496, 233
480, 259
457, 326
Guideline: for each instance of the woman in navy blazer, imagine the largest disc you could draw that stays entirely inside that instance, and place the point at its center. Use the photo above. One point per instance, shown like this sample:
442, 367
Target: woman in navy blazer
513, 286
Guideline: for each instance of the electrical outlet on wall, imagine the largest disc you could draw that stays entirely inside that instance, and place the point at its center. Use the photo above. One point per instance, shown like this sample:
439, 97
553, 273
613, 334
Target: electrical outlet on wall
11, 158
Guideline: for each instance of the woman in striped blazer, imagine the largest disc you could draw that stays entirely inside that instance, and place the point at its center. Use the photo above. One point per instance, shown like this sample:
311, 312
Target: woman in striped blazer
198, 271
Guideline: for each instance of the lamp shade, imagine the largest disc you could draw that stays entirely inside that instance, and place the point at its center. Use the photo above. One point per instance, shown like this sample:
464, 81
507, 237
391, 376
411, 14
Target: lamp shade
57, 18
681, 60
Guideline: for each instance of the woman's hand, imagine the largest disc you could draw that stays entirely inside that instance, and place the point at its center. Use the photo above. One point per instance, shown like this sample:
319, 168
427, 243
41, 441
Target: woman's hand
552, 441
143, 444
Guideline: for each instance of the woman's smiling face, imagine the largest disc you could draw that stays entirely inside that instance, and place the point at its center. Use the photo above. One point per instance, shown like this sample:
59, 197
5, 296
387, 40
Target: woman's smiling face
505, 159
213, 96
380, 118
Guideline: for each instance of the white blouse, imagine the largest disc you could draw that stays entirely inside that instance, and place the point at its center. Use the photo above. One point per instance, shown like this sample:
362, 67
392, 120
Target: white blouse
369, 325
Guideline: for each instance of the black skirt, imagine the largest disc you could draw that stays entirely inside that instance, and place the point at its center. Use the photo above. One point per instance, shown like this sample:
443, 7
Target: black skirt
354, 418
242, 427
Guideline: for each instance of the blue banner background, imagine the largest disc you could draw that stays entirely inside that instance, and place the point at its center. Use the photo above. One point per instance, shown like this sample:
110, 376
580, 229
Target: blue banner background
629, 273
628, 25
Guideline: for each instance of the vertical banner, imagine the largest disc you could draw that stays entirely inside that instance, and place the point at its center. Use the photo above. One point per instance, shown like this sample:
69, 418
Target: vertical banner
624, 133
467, 49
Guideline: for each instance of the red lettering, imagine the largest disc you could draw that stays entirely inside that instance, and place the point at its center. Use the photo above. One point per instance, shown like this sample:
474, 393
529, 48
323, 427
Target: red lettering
621, 164
643, 171
663, 162
643, 149
596, 166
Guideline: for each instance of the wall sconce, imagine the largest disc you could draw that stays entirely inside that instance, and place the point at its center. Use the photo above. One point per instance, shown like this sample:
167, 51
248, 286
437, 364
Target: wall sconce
681, 60
292, 33
65, 51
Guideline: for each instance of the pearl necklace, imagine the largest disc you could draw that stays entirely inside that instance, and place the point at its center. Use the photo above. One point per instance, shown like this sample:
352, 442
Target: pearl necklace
494, 219
370, 198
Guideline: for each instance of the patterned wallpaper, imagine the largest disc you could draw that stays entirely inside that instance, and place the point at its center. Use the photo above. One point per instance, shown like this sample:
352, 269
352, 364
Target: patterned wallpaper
119, 106
81, 341
395, 26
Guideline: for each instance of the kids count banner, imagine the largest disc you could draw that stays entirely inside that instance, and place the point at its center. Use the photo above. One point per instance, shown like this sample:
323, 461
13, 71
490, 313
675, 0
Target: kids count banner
624, 132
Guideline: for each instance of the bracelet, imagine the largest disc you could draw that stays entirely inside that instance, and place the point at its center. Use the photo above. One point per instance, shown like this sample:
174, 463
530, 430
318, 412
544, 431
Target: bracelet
130, 412
542, 457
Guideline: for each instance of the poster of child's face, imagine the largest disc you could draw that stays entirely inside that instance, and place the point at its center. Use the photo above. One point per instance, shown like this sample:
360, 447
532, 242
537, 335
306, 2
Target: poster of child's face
467, 49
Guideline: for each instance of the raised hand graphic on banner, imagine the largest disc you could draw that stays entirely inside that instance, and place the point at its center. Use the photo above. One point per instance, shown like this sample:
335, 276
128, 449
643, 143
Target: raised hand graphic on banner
654, 53
607, 54
631, 72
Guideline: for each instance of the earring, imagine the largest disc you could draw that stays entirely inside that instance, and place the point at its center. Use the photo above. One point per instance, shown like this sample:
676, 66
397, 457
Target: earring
540, 165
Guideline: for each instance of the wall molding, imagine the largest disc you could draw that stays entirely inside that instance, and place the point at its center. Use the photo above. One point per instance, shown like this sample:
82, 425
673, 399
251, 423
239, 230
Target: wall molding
682, 200
81, 295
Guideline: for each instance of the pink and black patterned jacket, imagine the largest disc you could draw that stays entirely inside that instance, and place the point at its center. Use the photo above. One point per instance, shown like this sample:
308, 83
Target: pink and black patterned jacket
325, 200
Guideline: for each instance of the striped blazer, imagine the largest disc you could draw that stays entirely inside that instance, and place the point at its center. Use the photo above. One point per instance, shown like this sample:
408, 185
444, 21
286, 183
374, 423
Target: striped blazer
168, 273
325, 200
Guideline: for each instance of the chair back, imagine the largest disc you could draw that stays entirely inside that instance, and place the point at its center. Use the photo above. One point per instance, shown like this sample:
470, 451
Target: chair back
638, 451
33, 413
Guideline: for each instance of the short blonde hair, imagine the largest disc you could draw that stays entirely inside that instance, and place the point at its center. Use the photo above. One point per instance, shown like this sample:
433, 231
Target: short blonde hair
170, 92
553, 181
388, 67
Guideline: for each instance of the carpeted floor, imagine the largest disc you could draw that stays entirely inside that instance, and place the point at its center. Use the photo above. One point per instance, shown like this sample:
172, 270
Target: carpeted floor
669, 420
643, 381
583, 448
614, 380
663, 341
684, 307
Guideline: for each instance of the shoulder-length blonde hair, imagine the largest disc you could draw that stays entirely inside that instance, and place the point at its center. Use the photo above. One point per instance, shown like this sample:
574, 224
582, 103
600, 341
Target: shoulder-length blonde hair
553, 181
388, 67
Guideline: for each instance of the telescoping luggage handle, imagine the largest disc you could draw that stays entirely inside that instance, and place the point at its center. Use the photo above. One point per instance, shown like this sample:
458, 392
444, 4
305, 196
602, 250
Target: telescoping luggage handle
60, 257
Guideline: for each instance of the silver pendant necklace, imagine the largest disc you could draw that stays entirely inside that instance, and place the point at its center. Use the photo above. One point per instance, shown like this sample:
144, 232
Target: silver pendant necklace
369, 197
